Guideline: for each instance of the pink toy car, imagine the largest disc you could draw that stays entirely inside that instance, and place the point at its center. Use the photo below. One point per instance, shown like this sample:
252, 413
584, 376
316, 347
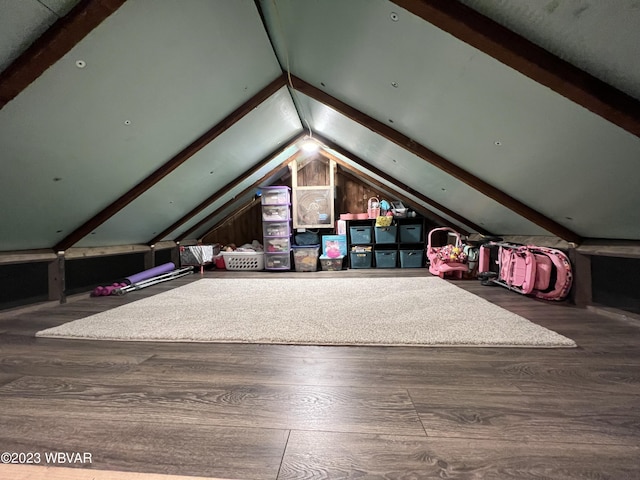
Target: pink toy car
541, 272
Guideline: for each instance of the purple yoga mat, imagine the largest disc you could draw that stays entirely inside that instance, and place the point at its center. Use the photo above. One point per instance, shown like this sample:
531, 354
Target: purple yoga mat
152, 272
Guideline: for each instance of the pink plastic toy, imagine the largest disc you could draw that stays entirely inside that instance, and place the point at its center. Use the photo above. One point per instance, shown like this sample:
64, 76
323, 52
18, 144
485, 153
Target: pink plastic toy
448, 261
541, 272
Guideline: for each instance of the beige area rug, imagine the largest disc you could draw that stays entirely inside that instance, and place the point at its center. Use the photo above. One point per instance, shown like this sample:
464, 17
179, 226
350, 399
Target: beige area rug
422, 311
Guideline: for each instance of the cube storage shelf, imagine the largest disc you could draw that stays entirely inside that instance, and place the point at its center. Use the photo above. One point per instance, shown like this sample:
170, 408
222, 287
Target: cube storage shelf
411, 233
386, 258
360, 259
411, 258
400, 245
276, 227
386, 234
360, 234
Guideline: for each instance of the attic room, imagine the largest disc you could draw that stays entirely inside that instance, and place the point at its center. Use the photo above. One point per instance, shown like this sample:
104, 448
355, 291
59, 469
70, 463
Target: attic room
135, 132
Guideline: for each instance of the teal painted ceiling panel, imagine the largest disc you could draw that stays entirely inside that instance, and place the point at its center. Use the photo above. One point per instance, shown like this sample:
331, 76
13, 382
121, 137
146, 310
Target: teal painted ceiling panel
221, 162
235, 197
600, 37
415, 172
483, 116
21, 23
157, 76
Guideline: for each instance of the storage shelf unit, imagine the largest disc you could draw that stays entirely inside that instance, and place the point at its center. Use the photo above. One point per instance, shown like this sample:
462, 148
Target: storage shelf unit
400, 245
276, 227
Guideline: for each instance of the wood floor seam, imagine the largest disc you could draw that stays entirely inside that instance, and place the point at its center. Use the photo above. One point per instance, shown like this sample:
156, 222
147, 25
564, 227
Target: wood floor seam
284, 453
533, 443
426, 434
341, 432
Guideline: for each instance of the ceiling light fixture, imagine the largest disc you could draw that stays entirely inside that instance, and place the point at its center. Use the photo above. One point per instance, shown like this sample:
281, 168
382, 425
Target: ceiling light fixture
310, 146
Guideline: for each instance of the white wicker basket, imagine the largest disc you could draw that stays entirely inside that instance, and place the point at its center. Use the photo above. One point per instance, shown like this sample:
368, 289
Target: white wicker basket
243, 260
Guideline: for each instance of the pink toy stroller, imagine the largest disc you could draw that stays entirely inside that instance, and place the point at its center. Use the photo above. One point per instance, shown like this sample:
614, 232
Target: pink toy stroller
448, 261
541, 272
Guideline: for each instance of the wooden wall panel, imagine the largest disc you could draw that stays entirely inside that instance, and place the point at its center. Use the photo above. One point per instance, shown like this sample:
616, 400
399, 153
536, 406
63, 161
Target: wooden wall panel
352, 196
314, 172
241, 228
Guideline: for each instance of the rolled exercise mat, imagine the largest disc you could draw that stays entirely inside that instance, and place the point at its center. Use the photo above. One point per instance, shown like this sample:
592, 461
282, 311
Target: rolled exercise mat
152, 272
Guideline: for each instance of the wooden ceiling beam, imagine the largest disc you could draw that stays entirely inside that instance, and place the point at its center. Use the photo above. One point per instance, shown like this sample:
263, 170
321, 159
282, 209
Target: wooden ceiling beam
231, 202
436, 160
396, 186
52, 45
224, 190
171, 165
515, 51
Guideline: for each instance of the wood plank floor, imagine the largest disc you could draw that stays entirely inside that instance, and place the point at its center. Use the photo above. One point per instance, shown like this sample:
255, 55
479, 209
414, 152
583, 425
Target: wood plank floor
301, 412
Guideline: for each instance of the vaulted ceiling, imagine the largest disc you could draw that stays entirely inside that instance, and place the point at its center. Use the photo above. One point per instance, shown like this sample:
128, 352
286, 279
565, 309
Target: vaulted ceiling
138, 121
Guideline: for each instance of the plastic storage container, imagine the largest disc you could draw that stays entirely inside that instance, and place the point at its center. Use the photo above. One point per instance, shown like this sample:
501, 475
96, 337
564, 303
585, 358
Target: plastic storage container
360, 234
411, 258
360, 259
386, 258
276, 229
334, 243
277, 261
306, 257
275, 212
331, 264
411, 233
277, 244
386, 234
275, 196
243, 260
